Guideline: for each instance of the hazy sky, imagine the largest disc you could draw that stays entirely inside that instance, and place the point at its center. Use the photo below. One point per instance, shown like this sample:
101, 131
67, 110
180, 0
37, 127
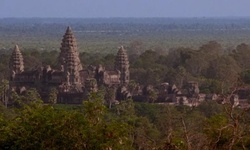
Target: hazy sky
124, 8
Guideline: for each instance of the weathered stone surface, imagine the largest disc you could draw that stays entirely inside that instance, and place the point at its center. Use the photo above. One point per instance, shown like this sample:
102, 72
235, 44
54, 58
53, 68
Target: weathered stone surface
16, 64
122, 64
69, 58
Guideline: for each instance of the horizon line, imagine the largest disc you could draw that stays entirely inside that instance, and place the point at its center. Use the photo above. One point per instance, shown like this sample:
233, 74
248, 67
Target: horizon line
177, 17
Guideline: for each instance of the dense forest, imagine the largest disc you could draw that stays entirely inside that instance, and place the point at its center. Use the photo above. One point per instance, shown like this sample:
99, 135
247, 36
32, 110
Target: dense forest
213, 52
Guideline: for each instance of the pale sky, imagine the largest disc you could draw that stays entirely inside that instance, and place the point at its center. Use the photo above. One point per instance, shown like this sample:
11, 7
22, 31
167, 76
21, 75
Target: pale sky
124, 8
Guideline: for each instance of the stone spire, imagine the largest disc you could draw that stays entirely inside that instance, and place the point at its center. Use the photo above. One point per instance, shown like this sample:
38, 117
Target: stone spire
122, 64
16, 64
69, 44
71, 66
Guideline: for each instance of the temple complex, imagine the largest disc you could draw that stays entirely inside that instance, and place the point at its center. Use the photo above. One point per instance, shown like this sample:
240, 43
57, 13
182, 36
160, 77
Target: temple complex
72, 81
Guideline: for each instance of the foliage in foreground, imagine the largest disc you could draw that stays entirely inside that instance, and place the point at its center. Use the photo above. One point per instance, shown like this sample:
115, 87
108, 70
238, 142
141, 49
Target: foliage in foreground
38, 126
128, 125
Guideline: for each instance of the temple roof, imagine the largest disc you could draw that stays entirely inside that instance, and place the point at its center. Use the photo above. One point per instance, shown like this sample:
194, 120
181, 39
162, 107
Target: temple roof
68, 30
16, 60
69, 51
68, 40
121, 59
122, 64
16, 49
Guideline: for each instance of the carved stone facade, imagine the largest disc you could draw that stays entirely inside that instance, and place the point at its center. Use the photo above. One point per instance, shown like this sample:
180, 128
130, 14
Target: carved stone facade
122, 64
68, 46
71, 80
16, 61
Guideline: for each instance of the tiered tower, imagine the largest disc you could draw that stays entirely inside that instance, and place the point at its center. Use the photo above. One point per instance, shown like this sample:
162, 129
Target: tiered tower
69, 57
122, 64
16, 64
71, 66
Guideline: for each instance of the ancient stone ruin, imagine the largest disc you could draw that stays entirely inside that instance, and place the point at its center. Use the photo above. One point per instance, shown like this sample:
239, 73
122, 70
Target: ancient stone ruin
74, 83
70, 79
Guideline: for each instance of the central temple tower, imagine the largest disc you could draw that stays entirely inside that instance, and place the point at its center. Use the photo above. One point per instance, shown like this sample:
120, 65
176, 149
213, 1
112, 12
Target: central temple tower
122, 64
16, 64
69, 58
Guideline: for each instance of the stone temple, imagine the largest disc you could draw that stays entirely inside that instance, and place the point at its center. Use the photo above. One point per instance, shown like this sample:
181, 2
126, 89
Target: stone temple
72, 81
